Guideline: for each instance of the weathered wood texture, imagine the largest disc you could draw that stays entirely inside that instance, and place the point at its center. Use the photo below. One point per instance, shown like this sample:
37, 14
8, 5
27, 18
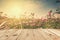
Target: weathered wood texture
30, 34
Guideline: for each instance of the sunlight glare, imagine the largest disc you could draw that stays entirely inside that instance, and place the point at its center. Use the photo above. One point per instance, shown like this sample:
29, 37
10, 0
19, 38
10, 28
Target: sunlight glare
14, 12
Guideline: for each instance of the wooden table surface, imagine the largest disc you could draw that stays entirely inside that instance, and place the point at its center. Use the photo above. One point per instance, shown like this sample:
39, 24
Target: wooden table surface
30, 34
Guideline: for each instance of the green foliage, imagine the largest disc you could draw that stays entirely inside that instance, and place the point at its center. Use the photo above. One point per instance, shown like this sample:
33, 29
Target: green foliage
51, 23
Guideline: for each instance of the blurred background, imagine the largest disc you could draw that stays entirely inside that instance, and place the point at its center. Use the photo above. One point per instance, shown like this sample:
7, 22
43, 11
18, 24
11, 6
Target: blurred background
20, 14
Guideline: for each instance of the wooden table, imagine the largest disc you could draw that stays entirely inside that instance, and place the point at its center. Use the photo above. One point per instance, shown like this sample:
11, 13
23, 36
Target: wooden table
30, 34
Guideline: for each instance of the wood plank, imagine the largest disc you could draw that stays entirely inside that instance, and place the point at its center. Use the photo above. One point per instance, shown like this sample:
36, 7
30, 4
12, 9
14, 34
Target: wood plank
15, 35
30, 35
2, 32
55, 32
37, 35
7, 34
44, 35
52, 35
23, 35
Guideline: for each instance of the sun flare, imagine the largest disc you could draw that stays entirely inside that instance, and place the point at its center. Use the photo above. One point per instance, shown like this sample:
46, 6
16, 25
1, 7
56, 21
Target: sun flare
14, 12
18, 8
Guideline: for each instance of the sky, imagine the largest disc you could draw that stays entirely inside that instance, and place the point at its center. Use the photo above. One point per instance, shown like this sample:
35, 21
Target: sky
18, 7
